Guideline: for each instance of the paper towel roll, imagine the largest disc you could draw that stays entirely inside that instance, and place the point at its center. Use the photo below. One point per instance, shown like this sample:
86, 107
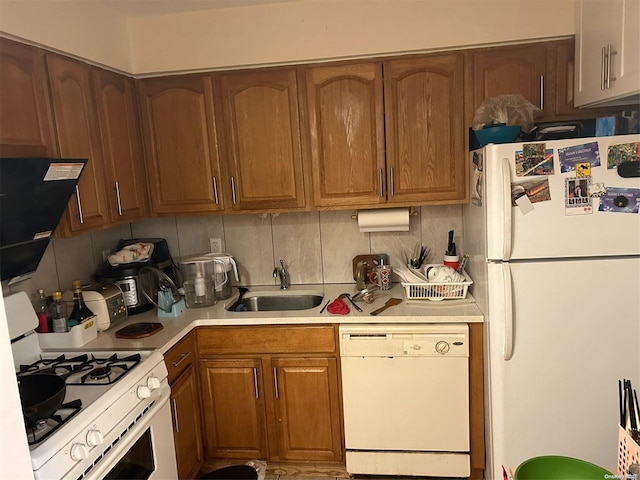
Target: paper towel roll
384, 220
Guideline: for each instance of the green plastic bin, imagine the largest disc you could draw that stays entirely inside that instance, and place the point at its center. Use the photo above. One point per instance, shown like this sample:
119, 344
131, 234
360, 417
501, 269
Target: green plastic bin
559, 468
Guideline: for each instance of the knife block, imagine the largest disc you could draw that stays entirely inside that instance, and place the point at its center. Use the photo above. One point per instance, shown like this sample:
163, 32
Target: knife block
628, 452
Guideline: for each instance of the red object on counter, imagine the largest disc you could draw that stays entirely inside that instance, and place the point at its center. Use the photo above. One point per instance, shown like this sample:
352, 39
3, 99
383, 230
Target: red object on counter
338, 307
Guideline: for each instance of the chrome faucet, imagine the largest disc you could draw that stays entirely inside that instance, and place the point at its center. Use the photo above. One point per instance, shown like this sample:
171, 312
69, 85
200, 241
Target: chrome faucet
282, 273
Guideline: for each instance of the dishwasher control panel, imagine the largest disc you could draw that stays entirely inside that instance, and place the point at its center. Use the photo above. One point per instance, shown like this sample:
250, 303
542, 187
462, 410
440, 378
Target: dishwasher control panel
404, 340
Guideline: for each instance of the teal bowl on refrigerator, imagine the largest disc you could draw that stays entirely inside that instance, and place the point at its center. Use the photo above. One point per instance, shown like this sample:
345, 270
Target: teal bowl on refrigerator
559, 468
498, 133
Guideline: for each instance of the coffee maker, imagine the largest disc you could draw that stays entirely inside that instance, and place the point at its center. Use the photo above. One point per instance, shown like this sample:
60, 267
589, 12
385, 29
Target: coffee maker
129, 278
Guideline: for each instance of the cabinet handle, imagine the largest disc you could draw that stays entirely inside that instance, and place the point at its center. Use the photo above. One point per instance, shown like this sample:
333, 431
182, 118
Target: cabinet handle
233, 190
79, 204
541, 92
255, 382
380, 182
182, 358
393, 189
610, 53
175, 415
215, 190
118, 199
602, 68
275, 381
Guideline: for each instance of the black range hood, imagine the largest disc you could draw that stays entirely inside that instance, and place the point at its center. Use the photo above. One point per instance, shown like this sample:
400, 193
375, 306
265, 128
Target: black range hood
34, 193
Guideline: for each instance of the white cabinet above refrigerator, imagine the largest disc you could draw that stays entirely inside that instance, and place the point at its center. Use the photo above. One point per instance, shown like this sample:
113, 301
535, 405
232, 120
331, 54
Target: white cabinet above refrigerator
607, 52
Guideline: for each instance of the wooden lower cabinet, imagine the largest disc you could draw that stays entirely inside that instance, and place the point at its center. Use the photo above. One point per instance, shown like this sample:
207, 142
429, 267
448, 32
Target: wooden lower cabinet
233, 400
185, 406
267, 402
187, 424
307, 409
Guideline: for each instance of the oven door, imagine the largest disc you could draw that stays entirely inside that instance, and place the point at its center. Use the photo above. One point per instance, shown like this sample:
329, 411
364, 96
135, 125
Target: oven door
145, 452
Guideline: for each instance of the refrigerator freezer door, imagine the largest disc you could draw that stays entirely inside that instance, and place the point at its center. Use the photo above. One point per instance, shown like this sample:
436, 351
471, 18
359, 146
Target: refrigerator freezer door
576, 331
547, 231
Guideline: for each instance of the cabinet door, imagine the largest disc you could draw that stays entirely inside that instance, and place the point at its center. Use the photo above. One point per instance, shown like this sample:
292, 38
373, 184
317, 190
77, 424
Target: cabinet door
307, 409
187, 424
233, 403
562, 53
262, 139
607, 51
425, 137
506, 70
25, 112
346, 126
78, 137
180, 144
125, 180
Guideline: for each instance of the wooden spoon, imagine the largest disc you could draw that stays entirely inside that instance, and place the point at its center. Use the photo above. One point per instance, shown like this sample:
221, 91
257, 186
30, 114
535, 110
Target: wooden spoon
390, 303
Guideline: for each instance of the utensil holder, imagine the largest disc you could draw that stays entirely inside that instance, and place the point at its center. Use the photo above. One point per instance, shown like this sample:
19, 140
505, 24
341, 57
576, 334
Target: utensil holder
628, 452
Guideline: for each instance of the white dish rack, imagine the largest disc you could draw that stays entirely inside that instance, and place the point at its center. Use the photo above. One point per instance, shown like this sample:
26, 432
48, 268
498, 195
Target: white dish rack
436, 291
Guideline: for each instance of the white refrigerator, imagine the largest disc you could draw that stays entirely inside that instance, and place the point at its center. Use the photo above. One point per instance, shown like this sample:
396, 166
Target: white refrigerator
553, 232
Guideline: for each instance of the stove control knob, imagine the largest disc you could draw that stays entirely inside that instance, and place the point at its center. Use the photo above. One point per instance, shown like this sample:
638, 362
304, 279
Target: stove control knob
79, 451
442, 347
94, 438
143, 392
153, 382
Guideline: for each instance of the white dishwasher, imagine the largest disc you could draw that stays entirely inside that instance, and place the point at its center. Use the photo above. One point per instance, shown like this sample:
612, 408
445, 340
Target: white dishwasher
406, 399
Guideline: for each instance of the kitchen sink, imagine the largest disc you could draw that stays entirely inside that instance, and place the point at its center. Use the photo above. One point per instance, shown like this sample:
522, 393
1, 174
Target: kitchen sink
270, 301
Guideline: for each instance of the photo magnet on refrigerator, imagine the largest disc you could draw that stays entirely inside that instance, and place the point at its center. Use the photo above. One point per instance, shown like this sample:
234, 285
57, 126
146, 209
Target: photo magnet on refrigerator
576, 196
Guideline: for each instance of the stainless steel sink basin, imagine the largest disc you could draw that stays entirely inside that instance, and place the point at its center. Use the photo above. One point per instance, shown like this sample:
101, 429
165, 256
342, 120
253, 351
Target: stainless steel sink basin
279, 300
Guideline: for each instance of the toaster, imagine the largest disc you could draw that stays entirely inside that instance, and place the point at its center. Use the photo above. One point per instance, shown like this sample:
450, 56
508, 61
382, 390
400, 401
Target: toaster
107, 303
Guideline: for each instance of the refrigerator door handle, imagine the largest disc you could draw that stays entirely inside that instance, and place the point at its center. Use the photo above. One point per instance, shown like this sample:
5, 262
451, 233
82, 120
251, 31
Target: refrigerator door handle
506, 199
508, 311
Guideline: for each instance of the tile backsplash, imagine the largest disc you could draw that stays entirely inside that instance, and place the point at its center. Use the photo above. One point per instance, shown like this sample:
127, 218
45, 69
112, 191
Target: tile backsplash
317, 247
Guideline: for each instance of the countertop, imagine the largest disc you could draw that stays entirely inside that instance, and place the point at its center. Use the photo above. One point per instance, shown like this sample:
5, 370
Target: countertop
409, 311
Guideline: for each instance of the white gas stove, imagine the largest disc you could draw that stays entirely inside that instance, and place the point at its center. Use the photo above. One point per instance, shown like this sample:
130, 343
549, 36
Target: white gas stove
114, 421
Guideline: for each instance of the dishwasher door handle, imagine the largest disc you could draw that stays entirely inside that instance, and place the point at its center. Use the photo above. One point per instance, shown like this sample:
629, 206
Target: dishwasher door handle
365, 336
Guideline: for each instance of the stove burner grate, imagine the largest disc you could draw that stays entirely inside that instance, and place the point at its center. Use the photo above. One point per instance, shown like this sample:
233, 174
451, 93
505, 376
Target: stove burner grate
44, 428
100, 370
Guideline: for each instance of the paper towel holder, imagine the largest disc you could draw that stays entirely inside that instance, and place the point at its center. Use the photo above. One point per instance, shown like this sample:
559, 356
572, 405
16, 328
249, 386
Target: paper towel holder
412, 213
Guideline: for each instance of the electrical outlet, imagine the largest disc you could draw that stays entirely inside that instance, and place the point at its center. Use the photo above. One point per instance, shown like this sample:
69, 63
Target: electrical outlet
105, 255
215, 245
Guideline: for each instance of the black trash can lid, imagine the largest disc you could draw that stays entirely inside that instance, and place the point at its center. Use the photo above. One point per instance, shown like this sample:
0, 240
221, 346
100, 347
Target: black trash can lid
235, 472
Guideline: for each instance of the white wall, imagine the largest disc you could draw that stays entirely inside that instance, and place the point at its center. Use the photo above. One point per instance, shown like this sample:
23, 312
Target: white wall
14, 454
288, 32
85, 29
323, 29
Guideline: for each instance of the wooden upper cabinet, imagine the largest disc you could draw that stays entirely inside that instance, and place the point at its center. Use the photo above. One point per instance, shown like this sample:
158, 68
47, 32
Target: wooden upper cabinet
346, 126
79, 137
510, 70
180, 144
425, 135
25, 110
125, 180
262, 139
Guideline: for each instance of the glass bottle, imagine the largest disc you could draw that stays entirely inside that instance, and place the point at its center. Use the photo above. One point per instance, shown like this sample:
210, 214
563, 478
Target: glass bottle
80, 310
41, 311
59, 314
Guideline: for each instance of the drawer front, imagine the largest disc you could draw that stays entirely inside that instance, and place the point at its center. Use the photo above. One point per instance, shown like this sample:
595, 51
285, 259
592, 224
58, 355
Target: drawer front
266, 339
181, 355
